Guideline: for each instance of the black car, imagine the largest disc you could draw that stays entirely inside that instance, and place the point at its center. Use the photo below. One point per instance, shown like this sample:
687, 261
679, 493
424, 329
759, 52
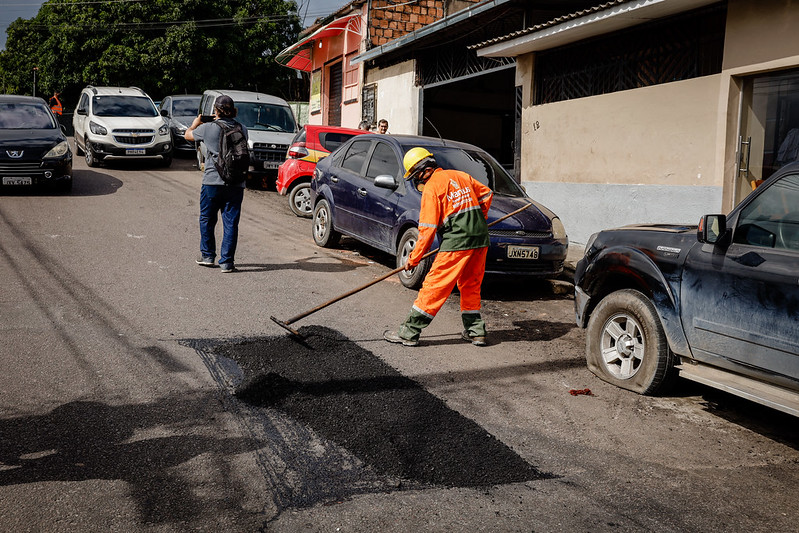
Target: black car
359, 191
34, 150
180, 110
716, 303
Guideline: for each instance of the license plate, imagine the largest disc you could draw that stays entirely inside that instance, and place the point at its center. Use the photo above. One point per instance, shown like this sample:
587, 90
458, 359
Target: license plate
135, 151
522, 252
16, 181
268, 165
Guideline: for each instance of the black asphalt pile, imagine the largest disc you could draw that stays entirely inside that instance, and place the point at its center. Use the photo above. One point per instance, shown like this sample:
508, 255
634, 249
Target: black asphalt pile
347, 395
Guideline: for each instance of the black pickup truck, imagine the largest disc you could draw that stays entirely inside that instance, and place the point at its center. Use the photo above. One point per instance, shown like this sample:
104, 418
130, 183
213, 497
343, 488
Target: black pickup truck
716, 303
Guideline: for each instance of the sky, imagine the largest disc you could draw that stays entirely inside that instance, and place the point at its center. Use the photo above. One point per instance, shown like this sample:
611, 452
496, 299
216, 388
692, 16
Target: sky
11, 10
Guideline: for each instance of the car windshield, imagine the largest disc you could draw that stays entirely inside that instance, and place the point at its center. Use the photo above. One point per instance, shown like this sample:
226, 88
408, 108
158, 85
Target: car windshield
123, 106
478, 165
266, 117
14, 116
185, 107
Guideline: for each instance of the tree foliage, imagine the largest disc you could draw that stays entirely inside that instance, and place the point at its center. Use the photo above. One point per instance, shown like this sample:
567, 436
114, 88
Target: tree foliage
163, 46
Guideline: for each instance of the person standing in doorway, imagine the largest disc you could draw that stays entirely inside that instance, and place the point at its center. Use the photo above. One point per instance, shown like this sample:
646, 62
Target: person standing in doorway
455, 206
216, 196
382, 126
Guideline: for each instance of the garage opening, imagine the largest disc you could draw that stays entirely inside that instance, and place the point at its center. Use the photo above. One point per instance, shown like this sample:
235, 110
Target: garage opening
480, 110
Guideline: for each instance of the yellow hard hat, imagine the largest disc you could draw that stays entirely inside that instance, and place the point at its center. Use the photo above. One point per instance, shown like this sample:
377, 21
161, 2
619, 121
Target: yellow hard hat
415, 159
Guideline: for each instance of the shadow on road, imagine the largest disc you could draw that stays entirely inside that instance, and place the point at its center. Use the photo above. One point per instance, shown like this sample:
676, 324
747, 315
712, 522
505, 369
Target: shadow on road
84, 440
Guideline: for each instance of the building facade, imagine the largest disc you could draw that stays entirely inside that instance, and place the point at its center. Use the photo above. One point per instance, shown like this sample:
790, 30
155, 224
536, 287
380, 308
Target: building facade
655, 111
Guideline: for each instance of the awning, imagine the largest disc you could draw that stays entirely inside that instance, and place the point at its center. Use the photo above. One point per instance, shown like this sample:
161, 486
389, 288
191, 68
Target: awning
299, 55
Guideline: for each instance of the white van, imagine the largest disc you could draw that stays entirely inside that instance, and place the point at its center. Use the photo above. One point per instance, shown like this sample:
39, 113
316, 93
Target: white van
271, 126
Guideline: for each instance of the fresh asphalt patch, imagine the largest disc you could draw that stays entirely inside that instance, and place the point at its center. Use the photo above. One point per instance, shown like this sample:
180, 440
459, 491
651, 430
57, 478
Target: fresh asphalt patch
367, 427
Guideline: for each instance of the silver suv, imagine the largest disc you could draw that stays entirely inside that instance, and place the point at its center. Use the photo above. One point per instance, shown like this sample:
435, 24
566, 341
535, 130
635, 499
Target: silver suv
271, 126
119, 122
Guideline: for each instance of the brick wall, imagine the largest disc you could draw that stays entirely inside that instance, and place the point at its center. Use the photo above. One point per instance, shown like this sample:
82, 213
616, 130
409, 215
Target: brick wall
389, 20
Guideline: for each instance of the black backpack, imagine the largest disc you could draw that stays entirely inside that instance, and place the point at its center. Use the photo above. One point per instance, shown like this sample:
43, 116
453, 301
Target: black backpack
233, 161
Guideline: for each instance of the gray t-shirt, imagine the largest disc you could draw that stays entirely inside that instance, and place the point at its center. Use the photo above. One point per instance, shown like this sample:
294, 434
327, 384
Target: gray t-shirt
211, 133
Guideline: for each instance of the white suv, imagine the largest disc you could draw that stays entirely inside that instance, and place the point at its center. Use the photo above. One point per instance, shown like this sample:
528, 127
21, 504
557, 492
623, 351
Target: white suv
119, 122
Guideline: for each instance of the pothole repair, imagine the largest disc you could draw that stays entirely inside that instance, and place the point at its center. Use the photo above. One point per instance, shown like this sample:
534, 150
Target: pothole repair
349, 396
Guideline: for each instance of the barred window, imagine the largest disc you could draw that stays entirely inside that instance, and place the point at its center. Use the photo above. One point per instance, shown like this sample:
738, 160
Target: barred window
686, 46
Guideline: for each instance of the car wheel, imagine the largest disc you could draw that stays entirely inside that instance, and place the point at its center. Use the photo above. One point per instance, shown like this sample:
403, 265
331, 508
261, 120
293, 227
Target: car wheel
414, 277
166, 161
626, 345
91, 159
300, 200
323, 233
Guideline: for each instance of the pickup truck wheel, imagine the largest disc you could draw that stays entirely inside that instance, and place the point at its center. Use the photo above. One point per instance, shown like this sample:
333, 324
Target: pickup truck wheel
323, 233
414, 277
626, 345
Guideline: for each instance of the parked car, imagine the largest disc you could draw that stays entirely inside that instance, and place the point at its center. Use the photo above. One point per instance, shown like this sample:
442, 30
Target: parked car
716, 303
180, 110
119, 122
270, 124
312, 143
34, 150
358, 191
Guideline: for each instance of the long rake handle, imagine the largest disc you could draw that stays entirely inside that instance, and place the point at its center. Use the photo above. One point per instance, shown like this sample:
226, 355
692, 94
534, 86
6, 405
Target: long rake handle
384, 276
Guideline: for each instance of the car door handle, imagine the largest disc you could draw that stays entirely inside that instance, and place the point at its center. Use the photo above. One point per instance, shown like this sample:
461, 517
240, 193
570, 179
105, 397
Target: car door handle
334, 180
362, 191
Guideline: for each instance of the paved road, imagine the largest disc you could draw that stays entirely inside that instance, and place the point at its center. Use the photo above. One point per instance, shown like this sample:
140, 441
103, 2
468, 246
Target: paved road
116, 415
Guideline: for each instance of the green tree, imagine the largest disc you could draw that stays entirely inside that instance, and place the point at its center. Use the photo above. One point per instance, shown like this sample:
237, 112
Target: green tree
163, 46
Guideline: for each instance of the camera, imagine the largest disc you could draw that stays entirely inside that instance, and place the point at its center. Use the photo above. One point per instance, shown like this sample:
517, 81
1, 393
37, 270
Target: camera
207, 118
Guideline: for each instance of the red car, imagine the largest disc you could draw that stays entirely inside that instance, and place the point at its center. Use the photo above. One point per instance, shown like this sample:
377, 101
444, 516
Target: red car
312, 143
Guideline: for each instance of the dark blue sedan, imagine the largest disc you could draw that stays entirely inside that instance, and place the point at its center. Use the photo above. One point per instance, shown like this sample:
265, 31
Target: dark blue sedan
358, 191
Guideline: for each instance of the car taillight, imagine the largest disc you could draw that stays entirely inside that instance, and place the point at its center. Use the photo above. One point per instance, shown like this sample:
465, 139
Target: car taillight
297, 151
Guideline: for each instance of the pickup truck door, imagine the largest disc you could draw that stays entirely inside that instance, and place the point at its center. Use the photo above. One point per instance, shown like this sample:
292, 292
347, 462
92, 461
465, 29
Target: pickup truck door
740, 304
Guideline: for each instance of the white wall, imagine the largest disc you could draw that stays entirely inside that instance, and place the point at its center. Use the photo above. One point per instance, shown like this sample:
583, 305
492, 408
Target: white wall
397, 97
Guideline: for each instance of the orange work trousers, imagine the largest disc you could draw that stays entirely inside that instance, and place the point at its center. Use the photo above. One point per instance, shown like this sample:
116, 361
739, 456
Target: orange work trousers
464, 268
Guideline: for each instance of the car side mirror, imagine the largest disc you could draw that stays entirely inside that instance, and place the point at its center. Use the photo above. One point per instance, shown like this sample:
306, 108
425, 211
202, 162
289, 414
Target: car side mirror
384, 181
81, 111
164, 113
712, 229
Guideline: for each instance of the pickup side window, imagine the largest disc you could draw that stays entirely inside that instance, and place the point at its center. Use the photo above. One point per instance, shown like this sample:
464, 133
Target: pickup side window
772, 219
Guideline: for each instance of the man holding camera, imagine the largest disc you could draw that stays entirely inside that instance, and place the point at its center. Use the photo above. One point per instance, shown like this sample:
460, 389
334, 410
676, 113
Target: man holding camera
216, 196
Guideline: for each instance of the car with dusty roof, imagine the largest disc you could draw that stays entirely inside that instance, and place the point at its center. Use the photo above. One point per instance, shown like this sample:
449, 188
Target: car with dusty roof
119, 123
716, 303
180, 110
312, 143
359, 191
270, 127
34, 150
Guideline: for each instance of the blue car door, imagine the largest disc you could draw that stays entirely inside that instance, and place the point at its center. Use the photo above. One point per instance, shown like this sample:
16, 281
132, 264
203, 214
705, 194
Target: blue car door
375, 214
345, 180
741, 303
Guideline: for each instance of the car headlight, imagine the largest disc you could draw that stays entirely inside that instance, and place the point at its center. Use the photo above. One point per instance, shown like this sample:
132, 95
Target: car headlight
58, 150
97, 129
163, 130
558, 231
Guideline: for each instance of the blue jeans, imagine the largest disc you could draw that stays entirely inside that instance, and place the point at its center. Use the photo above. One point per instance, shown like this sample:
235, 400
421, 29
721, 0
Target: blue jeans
213, 200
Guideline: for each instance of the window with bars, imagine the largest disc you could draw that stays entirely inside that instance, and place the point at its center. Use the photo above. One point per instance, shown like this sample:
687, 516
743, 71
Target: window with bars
679, 48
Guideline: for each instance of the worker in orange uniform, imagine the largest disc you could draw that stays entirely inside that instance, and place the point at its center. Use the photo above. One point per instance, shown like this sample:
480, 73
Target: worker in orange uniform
455, 205
55, 103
